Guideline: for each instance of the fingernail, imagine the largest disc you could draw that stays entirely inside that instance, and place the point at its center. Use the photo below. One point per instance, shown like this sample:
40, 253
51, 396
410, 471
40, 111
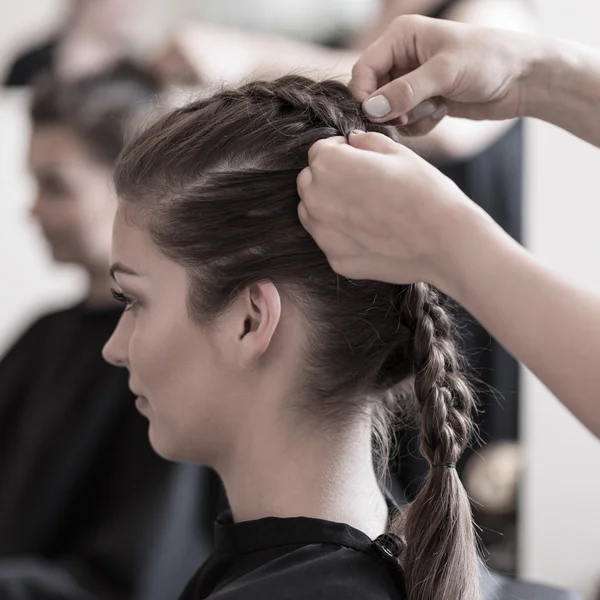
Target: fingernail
424, 110
377, 107
440, 113
357, 132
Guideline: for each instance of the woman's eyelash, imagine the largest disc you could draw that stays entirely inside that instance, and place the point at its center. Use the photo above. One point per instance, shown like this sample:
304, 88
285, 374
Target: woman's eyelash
122, 298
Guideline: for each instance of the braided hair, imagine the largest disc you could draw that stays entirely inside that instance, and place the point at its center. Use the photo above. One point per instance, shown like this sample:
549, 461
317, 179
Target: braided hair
214, 183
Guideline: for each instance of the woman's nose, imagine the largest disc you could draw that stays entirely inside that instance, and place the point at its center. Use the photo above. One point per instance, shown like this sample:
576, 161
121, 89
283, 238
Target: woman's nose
34, 209
115, 351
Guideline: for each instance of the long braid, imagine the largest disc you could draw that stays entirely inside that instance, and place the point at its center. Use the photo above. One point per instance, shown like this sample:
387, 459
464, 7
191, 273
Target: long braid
441, 557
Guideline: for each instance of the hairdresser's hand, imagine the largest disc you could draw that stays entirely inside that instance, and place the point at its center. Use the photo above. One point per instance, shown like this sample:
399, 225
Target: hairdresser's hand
421, 69
379, 211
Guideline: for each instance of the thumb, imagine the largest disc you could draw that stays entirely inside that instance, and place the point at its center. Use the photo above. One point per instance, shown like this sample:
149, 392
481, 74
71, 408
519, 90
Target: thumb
402, 95
374, 142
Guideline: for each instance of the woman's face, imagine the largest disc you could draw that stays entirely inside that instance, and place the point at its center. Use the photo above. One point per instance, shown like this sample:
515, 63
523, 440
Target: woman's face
74, 204
196, 384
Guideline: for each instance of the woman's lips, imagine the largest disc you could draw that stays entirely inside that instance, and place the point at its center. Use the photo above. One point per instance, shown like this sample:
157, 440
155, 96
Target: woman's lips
141, 403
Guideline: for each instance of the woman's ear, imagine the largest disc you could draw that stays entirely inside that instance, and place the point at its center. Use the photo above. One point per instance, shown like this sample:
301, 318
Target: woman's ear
258, 314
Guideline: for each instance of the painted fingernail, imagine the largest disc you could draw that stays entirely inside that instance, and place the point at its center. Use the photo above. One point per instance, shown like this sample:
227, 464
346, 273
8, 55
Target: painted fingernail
440, 113
424, 110
377, 107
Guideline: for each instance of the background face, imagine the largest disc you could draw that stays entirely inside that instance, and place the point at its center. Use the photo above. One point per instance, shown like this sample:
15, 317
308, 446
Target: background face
73, 203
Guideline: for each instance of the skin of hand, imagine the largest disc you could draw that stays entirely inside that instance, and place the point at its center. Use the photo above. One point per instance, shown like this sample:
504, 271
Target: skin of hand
465, 71
378, 210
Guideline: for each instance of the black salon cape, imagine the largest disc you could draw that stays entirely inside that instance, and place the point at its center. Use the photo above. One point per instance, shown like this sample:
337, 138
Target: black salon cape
29, 65
310, 559
87, 509
294, 559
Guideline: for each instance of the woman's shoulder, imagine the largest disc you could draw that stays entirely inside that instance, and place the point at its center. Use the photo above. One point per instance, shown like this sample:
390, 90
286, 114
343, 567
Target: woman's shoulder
32, 337
312, 571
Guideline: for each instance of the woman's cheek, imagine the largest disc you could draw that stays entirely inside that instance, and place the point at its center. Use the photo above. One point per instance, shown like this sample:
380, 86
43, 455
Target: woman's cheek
138, 347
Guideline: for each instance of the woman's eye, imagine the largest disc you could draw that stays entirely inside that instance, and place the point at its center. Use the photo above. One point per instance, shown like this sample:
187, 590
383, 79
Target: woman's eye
122, 298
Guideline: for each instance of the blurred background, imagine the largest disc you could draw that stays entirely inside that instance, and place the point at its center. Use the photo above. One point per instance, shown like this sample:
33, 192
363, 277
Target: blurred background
541, 482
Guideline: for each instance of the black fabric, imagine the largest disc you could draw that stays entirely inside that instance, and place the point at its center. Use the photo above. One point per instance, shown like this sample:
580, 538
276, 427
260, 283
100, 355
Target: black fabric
300, 558
31, 64
291, 559
84, 500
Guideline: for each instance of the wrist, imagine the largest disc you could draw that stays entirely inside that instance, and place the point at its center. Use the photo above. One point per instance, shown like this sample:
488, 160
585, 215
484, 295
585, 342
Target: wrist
468, 235
546, 76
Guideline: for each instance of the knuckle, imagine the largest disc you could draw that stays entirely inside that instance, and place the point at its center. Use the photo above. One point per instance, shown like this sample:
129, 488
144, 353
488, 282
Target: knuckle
336, 263
401, 21
403, 92
446, 68
409, 21
315, 150
322, 162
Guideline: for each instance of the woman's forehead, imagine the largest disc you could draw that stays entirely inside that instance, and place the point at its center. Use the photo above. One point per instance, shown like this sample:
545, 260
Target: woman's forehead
132, 246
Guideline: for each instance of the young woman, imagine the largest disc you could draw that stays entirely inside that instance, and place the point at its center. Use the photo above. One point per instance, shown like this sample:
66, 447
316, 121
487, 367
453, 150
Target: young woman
86, 507
249, 354
484, 159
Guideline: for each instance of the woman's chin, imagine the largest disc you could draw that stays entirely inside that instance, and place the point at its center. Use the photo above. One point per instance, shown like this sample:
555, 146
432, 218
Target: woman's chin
158, 444
171, 448
165, 446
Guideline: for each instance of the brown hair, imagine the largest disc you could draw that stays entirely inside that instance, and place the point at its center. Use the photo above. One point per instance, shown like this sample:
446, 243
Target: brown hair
101, 109
214, 183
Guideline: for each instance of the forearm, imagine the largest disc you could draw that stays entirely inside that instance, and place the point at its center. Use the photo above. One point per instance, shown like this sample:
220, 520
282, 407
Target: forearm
218, 54
546, 322
277, 56
563, 88
457, 139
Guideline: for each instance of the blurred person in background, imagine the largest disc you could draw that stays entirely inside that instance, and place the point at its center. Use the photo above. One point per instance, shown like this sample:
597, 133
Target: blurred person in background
95, 35
234, 41
87, 510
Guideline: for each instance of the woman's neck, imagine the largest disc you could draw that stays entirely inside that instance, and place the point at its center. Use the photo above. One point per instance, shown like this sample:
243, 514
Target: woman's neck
290, 472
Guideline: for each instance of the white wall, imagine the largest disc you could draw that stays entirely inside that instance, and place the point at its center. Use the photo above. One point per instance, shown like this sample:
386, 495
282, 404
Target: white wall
29, 283
560, 515
560, 518
25, 20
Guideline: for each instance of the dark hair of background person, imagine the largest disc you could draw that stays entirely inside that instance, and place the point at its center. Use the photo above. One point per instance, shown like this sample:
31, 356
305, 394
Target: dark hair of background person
214, 183
102, 109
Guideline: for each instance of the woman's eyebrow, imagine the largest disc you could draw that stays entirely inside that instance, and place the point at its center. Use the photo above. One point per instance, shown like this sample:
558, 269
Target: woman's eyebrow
121, 268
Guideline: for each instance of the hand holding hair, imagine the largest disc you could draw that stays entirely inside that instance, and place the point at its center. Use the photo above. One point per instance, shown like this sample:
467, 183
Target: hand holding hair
379, 211
421, 69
